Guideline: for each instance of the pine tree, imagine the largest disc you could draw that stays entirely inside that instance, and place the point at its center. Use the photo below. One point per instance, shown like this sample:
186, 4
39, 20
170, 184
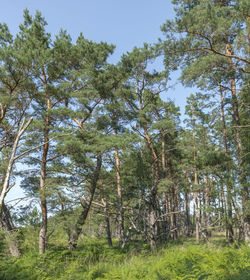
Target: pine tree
46, 71
214, 34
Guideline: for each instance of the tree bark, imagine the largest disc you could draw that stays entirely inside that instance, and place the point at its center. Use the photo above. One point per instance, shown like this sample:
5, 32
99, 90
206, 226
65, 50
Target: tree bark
197, 228
43, 171
229, 218
175, 212
43, 230
9, 231
119, 194
243, 180
197, 218
187, 205
77, 228
107, 221
6, 187
5, 217
164, 174
187, 210
156, 177
165, 221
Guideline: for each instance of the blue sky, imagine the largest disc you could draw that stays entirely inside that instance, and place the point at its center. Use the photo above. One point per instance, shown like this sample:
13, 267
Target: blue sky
124, 23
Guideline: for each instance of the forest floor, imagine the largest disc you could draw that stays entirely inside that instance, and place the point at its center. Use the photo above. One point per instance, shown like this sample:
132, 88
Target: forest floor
180, 259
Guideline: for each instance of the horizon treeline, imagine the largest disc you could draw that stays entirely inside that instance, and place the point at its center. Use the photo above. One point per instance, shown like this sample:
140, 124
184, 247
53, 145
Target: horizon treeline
94, 141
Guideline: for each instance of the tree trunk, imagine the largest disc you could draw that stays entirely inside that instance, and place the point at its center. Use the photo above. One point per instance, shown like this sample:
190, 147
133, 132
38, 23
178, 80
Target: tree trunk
152, 223
9, 232
197, 218
197, 228
119, 193
43, 170
187, 205
77, 228
243, 180
106, 216
145, 223
204, 216
171, 202
176, 210
153, 196
156, 176
165, 221
187, 210
5, 217
164, 195
200, 208
229, 218
43, 230
6, 187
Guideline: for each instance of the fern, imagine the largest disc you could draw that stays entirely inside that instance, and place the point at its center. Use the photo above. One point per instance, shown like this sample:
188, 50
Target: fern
95, 260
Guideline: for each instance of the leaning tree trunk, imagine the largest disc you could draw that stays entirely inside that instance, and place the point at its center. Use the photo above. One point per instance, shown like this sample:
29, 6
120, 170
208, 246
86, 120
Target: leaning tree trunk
5, 217
77, 228
6, 182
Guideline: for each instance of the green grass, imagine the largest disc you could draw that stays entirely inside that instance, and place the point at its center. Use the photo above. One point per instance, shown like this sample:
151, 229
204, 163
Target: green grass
94, 260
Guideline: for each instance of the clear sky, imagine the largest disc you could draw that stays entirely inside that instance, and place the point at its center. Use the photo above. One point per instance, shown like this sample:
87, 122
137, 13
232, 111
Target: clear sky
124, 23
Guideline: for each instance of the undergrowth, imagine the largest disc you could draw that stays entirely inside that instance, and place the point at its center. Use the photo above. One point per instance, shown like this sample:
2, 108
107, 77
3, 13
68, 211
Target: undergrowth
94, 260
